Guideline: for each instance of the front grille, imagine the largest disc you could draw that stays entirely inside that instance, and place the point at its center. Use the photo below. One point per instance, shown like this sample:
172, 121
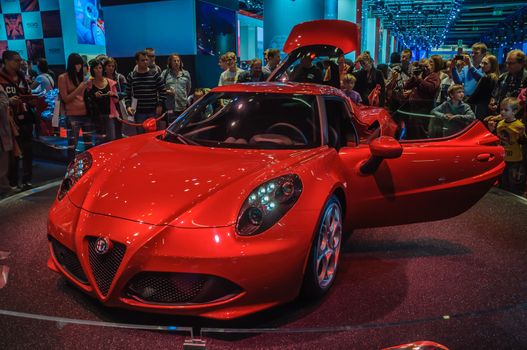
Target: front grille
180, 288
68, 260
105, 266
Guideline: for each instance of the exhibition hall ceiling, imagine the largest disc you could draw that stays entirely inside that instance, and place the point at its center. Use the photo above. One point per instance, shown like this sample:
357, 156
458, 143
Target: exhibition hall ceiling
253, 6
430, 23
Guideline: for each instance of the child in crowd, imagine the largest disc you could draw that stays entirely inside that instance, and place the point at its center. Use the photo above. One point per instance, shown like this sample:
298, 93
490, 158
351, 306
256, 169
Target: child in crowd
198, 93
452, 115
510, 130
348, 83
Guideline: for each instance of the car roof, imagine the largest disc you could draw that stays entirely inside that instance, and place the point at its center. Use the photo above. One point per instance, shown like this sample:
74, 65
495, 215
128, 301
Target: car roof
276, 87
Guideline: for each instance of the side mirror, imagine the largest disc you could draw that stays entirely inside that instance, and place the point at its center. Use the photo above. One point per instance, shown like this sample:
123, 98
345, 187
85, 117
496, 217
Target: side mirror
384, 147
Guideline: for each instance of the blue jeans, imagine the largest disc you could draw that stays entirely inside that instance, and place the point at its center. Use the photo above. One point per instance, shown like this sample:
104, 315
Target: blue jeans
140, 118
513, 177
109, 129
75, 124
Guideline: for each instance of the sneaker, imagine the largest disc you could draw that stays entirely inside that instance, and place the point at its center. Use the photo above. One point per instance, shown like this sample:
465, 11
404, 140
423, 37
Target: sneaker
27, 186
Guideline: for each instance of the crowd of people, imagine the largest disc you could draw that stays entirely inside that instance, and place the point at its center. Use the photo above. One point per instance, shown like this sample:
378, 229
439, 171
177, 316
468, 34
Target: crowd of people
98, 100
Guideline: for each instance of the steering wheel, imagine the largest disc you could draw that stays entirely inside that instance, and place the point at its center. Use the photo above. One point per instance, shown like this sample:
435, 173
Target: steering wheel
291, 127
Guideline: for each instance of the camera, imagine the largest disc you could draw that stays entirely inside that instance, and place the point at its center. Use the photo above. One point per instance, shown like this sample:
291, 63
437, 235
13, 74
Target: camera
459, 57
418, 70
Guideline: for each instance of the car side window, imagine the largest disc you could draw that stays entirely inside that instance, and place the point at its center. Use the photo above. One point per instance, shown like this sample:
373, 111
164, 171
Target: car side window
341, 132
435, 125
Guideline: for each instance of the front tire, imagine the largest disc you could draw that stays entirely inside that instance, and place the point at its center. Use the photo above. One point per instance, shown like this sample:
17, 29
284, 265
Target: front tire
325, 251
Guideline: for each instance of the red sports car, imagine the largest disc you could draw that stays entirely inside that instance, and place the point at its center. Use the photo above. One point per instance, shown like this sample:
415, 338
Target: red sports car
241, 204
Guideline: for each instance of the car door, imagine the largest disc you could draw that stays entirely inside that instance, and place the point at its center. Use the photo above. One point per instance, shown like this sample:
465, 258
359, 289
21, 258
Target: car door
431, 180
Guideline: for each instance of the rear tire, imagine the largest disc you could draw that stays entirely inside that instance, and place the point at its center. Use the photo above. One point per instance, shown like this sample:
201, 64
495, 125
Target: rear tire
324, 255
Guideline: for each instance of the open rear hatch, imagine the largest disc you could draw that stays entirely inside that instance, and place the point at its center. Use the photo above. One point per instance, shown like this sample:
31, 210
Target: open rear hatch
321, 39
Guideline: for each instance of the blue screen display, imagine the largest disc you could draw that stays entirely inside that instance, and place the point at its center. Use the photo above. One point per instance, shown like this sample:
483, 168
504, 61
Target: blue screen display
166, 26
215, 29
89, 22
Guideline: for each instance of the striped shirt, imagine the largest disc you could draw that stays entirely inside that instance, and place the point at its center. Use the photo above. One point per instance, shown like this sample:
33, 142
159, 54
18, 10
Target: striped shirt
149, 90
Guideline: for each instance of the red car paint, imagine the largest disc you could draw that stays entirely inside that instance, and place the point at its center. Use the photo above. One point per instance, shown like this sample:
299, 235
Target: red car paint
341, 34
174, 207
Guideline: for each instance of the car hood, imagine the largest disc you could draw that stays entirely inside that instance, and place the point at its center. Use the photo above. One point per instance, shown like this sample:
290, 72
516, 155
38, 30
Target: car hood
148, 180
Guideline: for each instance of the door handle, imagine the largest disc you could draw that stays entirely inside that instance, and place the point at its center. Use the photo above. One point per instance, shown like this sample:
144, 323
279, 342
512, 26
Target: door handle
485, 157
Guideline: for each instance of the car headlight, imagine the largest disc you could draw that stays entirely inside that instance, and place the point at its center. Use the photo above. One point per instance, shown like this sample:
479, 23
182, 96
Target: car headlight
267, 203
77, 168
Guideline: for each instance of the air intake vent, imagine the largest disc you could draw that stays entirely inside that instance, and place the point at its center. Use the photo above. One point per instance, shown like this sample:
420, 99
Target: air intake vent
68, 260
180, 288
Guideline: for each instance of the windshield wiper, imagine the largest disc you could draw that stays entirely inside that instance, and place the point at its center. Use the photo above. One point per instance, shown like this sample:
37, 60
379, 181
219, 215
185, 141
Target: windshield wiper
184, 140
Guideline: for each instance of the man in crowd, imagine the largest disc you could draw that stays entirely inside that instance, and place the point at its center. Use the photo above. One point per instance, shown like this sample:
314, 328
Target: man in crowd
254, 74
222, 63
406, 66
6, 141
471, 72
18, 91
306, 72
145, 91
231, 74
273, 58
398, 75
512, 81
151, 54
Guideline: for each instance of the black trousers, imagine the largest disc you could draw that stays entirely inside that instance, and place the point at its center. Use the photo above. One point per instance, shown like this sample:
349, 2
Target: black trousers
25, 141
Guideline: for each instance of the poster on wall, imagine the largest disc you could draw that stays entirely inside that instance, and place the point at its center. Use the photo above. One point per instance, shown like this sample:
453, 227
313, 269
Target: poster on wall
51, 26
89, 22
215, 29
29, 5
13, 26
35, 49
3, 47
33, 29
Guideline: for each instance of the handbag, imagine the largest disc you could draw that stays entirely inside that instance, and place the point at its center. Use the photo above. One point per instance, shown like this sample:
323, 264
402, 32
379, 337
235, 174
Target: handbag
58, 111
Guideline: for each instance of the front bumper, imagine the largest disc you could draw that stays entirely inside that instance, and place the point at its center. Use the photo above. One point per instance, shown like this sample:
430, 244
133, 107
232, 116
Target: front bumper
261, 271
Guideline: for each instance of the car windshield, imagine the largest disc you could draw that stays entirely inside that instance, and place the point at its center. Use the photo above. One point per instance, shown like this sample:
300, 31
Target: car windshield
310, 64
249, 120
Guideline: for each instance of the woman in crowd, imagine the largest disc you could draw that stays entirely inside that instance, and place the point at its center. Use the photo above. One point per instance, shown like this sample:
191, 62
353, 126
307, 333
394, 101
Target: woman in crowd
446, 82
44, 81
344, 68
480, 98
101, 98
178, 85
71, 89
110, 72
368, 78
424, 84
